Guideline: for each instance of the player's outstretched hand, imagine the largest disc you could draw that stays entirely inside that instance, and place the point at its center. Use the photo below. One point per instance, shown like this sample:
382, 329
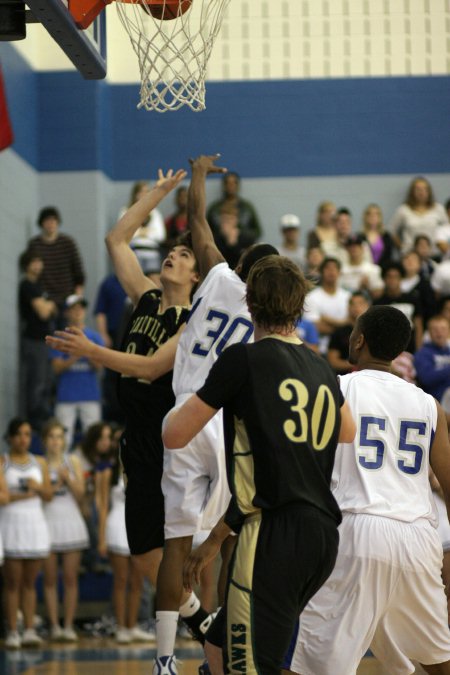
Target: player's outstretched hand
72, 340
197, 561
169, 181
207, 164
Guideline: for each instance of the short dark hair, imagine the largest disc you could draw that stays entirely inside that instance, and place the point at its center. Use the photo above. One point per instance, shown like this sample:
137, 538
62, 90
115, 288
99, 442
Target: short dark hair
276, 290
233, 174
418, 237
251, 255
26, 258
386, 331
344, 211
393, 265
328, 260
48, 212
13, 426
361, 294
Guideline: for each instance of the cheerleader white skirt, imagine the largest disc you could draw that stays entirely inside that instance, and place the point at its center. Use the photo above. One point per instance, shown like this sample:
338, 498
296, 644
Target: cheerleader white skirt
24, 532
68, 530
116, 534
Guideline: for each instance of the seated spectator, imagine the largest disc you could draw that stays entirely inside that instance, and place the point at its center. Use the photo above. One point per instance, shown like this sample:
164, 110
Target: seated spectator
149, 237
339, 341
343, 225
381, 244
290, 245
327, 305
248, 221
78, 392
420, 214
408, 303
358, 274
314, 259
432, 361
63, 272
324, 232
37, 314
307, 332
414, 282
440, 279
177, 222
422, 246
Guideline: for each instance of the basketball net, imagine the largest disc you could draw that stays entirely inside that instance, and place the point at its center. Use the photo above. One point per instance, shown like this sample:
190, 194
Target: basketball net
173, 54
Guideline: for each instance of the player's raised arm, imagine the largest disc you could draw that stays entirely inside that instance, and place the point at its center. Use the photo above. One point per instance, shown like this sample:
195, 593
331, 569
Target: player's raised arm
73, 341
205, 249
440, 456
126, 265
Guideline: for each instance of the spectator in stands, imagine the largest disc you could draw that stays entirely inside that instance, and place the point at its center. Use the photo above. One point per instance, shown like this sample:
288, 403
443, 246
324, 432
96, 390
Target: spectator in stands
177, 222
440, 279
358, 274
24, 531
112, 541
228, 237
149, 237
337, 354
324, 233
248, 221
314, 260
37, 314
432, 361
413, 281
422, 246
408, 303
78, 392
343, 226
63, 272
420, 214
380, 242
290, 245
68, 531
109, 310
327, 305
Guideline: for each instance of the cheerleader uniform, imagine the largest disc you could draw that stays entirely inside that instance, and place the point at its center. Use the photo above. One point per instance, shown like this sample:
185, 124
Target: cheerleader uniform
116, 534
23, 525
68, 530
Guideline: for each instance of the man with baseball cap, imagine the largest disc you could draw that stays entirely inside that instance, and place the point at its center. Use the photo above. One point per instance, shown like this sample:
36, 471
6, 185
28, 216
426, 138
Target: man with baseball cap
290, 233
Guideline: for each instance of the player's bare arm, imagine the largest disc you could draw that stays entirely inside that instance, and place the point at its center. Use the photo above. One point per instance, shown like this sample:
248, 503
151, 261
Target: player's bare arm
185, 422
201, 556
440, 456
126, 265
347, 432
74, 341
205, 249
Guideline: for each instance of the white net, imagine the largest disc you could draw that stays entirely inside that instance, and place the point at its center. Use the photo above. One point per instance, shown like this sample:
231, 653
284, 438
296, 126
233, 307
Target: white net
172, 54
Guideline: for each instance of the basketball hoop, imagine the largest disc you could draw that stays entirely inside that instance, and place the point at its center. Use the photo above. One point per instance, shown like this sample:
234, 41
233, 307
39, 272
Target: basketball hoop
173, 46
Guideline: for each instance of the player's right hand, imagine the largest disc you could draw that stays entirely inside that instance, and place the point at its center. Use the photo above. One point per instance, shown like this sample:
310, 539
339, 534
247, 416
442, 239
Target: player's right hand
206, 163
72, 341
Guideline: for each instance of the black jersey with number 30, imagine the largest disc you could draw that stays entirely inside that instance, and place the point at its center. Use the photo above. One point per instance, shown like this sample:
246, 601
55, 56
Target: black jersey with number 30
142, 401
281, 419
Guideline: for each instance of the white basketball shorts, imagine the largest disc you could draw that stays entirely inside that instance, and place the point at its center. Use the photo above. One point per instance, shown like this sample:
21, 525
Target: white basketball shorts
194, 483
385, 593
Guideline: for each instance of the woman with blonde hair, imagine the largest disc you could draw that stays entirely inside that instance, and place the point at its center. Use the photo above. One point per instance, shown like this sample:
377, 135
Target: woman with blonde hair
380, 242
324, 233
68, 531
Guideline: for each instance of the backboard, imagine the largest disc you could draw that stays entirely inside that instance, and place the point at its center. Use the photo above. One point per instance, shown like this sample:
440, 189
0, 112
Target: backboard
85, 48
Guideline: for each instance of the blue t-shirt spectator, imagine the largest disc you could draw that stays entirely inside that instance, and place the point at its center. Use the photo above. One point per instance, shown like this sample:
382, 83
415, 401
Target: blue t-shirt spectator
307, 332
110, 302
79, 382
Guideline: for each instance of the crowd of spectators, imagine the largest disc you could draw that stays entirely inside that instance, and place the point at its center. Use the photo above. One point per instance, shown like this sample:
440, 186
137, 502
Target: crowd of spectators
71, 405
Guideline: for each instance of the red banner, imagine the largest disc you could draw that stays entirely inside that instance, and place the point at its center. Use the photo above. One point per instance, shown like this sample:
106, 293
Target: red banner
6, 132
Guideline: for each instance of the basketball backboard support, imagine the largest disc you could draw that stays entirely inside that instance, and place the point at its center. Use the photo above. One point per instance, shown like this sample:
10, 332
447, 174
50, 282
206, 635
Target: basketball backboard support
85, 48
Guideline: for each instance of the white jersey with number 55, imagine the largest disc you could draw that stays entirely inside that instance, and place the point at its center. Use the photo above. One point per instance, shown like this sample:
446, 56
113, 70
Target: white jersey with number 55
219, 317
384, 472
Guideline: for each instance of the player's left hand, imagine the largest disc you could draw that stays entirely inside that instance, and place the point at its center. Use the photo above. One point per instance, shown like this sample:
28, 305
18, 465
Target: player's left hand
197, 561
72, 340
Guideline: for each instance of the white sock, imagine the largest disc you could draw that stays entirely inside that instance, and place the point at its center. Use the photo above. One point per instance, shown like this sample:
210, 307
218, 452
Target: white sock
166, 632
190, 606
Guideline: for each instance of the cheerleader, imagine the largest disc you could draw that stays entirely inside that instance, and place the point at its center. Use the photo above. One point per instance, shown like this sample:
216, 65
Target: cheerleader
110, 501
24, 530
68, 531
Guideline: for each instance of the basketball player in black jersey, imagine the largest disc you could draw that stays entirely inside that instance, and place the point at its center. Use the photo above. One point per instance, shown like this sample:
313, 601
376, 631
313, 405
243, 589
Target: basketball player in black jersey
158, 318
283, 417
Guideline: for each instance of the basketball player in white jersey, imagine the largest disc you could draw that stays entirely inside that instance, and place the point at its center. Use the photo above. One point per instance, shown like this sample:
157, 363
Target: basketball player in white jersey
194, 482
385, 591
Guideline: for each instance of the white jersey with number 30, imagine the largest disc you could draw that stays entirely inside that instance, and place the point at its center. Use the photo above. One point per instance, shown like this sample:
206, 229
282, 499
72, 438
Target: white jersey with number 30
219, 318
384, 472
